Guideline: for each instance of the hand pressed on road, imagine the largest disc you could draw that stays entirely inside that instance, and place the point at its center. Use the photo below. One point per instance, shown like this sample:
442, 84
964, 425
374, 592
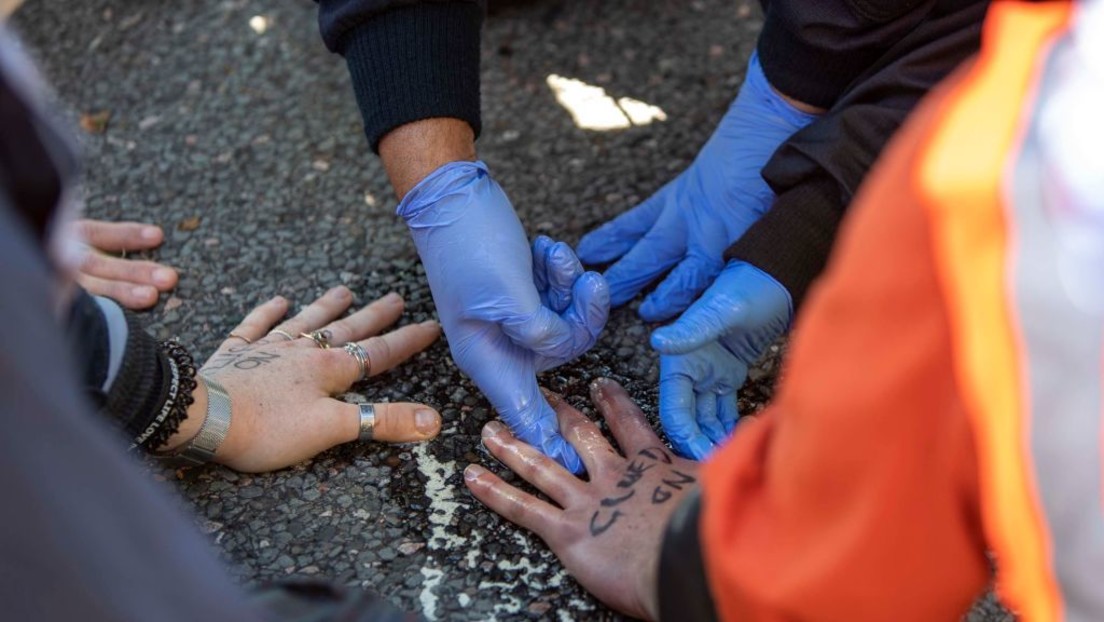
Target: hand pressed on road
607, 531
510, 310
282, 390
134, 283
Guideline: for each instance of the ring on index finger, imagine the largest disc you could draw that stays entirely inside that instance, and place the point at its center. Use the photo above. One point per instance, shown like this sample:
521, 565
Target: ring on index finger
358, 352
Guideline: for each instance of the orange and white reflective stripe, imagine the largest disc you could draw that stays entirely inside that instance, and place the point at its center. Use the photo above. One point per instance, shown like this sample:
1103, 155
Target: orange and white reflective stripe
979, 247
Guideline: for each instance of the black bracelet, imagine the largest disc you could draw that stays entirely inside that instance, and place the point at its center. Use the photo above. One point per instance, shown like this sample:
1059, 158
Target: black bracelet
174, 410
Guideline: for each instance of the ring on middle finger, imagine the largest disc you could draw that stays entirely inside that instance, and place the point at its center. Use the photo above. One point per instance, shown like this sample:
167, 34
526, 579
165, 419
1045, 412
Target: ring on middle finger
321, 338
358, 352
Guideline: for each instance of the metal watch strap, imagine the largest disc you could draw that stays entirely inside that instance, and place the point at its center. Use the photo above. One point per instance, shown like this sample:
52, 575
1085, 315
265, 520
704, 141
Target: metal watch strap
202, 448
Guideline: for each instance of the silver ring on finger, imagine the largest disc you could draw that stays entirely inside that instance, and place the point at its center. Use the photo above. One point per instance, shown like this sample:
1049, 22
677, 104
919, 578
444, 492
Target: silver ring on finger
321, 338
358, 352
367, 422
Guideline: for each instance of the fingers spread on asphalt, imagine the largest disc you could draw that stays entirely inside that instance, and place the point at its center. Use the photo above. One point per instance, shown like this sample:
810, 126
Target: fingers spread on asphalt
119, 236
625, 419
130, 270
130, 295
582, 433
257, 323
403, 422
368, 321
533, 466
317, 314
387, 351
516, 506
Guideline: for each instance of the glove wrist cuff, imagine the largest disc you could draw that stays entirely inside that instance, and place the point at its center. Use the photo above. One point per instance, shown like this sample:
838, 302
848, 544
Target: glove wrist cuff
447, 179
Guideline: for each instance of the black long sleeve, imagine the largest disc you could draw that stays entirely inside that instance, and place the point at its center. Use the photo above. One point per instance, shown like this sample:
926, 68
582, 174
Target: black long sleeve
817, 171
408, 60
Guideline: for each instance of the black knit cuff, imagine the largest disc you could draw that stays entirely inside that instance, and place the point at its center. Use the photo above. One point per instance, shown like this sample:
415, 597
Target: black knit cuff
416, 62
792, 241
683, 586
88, 334
141, 385
810, 74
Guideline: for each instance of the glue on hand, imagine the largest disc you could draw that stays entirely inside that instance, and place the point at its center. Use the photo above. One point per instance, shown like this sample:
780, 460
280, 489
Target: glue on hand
1072, 138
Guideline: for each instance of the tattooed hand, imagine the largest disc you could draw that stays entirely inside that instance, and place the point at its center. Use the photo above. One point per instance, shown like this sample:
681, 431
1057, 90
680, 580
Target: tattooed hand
282, 389
608, 531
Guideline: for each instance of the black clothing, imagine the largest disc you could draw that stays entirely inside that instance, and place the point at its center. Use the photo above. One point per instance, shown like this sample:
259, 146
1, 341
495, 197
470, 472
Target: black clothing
816, 173
867, 61
683, 585
86, 535
408, 60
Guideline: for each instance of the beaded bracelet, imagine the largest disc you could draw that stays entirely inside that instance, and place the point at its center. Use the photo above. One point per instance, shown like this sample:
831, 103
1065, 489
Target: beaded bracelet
175, 408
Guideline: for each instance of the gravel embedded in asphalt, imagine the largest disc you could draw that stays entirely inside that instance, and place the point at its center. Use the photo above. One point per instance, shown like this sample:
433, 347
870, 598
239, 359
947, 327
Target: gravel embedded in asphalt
230, 125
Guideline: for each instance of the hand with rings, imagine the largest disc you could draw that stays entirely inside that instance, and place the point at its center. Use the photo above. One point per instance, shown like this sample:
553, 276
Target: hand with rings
282, 385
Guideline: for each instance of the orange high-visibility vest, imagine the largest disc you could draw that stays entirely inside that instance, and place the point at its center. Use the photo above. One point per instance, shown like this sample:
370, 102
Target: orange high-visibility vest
943, 396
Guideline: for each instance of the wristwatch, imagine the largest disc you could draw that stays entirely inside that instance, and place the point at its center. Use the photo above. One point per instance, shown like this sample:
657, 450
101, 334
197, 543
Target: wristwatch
202, 448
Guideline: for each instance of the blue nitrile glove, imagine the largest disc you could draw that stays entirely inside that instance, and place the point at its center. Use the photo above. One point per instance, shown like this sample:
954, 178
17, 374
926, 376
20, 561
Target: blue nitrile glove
693, 219
705, 354
505, 318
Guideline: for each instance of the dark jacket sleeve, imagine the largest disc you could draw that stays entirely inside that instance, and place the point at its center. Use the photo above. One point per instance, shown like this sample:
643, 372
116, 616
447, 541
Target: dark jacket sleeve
136, 392
817, 171
683, 586
812, 50
79, 518
408, 60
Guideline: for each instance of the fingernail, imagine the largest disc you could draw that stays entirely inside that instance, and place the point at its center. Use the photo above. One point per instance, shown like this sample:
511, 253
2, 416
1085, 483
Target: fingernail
143, 292
278, 300
151, 233
473, 472
392, 297
493, 428
163, 276
341, 293
427, 422
598, 384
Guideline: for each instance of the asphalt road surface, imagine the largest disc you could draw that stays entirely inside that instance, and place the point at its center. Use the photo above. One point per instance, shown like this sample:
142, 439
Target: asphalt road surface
228, 123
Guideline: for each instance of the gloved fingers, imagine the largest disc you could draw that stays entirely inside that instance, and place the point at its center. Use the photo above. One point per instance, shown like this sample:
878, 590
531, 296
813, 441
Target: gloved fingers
543, 333
560, 338
614, 238
590, 306
685, 283
705, 321
655, 254
563, 268
536, 423
705, 403
728, 412
677, 414
541, 245
587, 317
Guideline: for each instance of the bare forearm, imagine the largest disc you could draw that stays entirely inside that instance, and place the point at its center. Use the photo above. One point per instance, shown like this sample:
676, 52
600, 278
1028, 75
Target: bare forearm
412, 151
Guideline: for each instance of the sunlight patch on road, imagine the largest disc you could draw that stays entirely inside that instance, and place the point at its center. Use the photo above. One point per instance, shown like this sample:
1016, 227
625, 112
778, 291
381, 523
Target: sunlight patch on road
593, 109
